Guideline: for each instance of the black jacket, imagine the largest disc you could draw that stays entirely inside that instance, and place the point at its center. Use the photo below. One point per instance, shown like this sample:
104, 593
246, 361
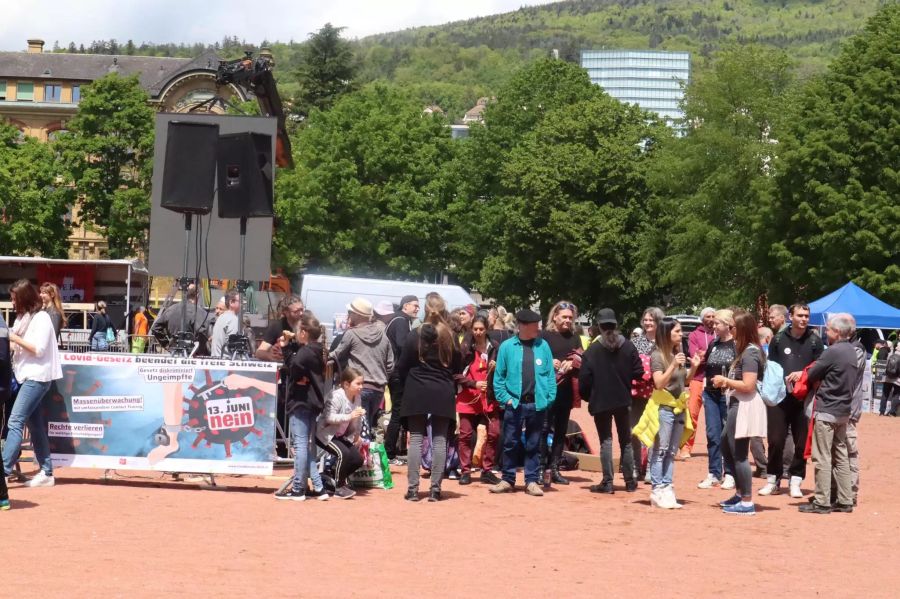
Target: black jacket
397, 330
606, 375
795, 354
429, 386
306, 385
100, 324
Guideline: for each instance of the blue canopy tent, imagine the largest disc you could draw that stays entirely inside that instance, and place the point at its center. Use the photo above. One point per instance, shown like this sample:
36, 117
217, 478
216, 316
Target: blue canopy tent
869, 311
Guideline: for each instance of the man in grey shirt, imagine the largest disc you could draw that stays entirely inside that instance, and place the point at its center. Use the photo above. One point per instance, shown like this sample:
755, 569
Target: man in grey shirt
838, 372
226, 324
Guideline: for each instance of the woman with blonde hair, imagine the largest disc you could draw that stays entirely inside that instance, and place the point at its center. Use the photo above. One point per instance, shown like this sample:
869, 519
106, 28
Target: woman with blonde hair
52, 305
719, 357
428, 364
640, 392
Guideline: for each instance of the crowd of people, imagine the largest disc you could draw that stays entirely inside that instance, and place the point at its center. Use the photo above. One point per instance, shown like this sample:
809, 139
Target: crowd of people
462, 368
457, 370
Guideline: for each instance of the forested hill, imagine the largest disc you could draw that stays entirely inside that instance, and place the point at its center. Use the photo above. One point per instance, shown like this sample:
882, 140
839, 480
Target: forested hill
452, 65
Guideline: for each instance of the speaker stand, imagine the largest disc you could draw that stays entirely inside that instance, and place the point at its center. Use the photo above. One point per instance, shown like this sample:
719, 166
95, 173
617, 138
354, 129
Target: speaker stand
184, 341
239, 345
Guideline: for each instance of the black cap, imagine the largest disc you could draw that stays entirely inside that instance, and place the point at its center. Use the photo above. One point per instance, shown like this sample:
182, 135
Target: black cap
406, 299
606, 316
527, 316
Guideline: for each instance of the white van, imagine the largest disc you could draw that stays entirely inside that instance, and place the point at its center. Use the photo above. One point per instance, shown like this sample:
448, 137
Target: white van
328, 296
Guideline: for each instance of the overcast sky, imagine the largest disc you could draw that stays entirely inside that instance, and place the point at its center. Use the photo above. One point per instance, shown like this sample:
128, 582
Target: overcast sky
162, 21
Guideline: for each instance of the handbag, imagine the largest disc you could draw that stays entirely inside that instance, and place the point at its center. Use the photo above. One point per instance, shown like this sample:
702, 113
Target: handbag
110, 335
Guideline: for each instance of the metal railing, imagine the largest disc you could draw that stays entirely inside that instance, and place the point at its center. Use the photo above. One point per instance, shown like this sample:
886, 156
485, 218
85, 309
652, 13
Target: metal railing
78, 341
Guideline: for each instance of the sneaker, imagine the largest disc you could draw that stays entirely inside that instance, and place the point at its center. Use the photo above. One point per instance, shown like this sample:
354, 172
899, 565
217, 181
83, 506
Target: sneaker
291, 494
434, 495
709, 482
465, 479
771, 487
4, 505
796, 491
321, 495
16, 477
489, 478
534, 490
453, 474
734, 500
815, 508
656, 498
728, 483
411, 495
631, 486
344, 492
740, 510
671, 500
41, 479
502, 487
602, 488
837, 507
397, 462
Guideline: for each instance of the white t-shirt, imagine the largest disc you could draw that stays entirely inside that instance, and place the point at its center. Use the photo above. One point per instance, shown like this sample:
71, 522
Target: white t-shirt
43, 365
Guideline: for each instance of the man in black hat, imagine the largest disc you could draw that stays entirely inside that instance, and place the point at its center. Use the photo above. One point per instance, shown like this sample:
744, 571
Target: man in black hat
608, 368
525, 385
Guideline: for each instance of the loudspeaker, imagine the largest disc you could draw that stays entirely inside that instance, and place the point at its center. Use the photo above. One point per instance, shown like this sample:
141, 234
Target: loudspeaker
189, 172
245, 175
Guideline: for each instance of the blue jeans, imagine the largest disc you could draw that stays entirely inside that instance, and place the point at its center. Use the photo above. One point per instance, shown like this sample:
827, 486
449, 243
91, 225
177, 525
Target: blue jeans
27, 410
513, 418
715, 412
303, 429
662, 456
371, 400
99, 342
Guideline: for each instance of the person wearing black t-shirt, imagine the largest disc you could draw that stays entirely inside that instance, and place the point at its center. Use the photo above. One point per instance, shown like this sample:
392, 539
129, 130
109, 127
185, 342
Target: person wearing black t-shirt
719, 356
270, 350
560, 335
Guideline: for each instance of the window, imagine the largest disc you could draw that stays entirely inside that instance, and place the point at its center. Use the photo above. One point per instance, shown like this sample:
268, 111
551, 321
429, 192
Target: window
2, 90
76, 94
25, 91
52, 92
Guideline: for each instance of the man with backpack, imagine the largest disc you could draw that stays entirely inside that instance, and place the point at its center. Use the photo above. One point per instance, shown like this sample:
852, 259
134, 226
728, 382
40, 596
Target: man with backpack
890, 391
795, 347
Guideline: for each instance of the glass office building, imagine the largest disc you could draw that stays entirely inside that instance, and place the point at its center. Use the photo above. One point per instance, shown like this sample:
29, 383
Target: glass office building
651, 79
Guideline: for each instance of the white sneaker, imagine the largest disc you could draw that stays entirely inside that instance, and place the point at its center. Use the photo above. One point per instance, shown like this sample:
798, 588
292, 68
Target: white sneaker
771, 487
656, 498
728, 483
709, 482
41, 480
796, 492
671, 500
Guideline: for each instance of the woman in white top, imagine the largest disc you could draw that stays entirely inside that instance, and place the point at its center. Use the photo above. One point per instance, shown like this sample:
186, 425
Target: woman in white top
35, 366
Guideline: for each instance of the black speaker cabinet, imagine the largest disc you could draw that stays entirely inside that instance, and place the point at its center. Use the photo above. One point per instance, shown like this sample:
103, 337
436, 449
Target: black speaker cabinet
245, 175
189, 173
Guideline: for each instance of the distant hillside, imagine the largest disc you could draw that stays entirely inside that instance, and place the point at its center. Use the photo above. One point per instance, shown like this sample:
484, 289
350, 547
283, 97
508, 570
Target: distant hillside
453, 64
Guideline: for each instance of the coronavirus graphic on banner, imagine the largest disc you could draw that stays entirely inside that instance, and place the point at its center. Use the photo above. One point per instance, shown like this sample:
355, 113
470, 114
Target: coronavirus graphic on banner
221, 415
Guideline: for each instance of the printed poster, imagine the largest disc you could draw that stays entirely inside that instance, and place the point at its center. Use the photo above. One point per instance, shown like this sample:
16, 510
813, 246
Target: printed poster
153, 412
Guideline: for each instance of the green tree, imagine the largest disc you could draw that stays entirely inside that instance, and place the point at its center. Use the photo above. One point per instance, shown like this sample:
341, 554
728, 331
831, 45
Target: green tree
109, 159
476, 212
366, 196
33, 202
703, 248
326, 70
836, 209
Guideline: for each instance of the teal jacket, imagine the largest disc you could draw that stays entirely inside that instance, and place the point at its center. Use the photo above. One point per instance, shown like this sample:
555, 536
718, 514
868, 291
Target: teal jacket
508, 373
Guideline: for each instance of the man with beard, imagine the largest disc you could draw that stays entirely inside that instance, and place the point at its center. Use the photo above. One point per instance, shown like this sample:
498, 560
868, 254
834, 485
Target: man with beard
565, 345
608, 368
398, 325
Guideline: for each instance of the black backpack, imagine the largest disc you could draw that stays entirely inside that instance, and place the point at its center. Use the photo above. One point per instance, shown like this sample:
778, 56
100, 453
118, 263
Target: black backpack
892, 368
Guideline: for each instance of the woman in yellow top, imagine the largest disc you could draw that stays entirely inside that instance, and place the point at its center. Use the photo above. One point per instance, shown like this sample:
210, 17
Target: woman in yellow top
667, 363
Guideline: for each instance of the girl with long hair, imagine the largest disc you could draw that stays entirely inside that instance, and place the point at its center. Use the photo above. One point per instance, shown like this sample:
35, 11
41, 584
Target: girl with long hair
746, 411
645, 343
52, 305
35, 366
305, 401
475, 406
428, 363
340, 428
668, 364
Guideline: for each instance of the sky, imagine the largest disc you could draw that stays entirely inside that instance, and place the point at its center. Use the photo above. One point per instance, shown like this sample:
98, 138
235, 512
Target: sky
208, 21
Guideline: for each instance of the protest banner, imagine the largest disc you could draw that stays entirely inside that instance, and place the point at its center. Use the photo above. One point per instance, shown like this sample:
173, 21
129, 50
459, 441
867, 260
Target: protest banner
153, 412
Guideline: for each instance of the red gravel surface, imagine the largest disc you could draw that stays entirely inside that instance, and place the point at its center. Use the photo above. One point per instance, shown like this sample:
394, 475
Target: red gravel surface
135, 536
